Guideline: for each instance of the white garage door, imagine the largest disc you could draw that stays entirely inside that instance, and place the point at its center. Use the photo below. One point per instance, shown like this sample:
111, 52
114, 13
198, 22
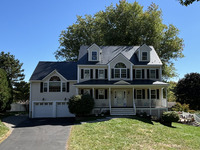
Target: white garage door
62, 110
43, 110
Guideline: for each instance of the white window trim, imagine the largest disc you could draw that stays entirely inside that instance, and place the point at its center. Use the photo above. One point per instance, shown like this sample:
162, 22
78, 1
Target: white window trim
136, 73
84, 73
61, 82
142, 56
103, 93
97, 55
103, 73
47, 87
150, 73
137, 92
120, 73
155, 94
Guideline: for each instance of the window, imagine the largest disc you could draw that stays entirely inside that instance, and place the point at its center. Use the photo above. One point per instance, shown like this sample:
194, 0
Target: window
101, 94
101, 74
54, 84
139, 94
153, 94
117, 73
94, 55
63, 87
86, 74
144, 55
138, 74
152, 74
120, 70
86, 91
45, 87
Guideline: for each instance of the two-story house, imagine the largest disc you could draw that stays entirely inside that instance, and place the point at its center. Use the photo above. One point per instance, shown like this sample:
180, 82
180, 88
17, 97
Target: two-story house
123, 80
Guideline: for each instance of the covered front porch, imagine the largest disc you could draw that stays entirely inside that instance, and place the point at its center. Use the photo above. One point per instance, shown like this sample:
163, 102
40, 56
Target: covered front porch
127, 99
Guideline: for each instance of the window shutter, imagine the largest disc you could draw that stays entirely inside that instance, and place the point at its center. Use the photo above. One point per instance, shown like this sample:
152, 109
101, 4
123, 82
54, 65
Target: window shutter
142, 73
97, 94
158, 94
157, 73
96, 73
143, 93
91, 73
148, 94
112, 73
67, 86
106, 94
82, 73
133, 73
128, 73
91, 93
41, 87
106, 73
147, 73
134, 94
81, 91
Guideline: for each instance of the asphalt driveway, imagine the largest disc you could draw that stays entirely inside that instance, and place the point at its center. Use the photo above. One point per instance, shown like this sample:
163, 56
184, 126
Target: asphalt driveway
39, 134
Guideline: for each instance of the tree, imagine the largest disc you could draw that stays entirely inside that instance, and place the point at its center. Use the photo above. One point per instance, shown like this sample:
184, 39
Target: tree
14, 73
170, 91
187, 2
125, 24
187, 90
21, 91
4, 90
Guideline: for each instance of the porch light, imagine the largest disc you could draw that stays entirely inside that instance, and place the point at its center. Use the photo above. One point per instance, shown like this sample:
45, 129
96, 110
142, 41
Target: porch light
65, 99
43, 99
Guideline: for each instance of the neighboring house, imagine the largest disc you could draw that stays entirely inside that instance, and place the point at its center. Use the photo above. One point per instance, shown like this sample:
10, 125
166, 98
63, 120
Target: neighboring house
122, 79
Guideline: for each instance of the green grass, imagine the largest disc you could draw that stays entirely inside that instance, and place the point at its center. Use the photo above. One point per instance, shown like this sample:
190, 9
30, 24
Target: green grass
3, 130
127, 133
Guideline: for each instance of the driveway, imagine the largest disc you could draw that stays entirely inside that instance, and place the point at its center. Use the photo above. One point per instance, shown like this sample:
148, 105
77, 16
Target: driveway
39, 134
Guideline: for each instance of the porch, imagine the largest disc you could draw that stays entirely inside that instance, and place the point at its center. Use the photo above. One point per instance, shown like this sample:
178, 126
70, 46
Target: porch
128, 101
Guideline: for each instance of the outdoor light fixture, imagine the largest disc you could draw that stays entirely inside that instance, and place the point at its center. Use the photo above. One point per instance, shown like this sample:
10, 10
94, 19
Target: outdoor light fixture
65, 99
43, 99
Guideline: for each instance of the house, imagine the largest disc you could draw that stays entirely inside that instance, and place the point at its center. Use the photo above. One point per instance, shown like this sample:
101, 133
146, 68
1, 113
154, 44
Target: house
124, 80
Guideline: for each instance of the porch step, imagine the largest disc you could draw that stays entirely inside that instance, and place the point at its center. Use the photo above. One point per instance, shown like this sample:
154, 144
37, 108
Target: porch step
122, 111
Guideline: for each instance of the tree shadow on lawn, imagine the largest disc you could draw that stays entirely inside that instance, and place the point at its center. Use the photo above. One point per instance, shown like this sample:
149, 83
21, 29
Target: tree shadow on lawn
102, 119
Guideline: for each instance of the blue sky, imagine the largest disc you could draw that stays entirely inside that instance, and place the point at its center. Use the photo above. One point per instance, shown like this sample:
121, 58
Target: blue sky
30, 29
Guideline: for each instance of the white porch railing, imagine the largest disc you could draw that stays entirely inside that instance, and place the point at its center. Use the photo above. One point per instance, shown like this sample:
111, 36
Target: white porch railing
150, 103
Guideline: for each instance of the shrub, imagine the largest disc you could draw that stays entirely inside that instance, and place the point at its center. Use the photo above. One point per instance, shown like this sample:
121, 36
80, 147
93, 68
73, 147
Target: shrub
170, 116
181, 107
81, 105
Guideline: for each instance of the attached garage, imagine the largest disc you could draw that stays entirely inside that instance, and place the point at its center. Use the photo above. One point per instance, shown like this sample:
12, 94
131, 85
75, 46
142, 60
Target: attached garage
43, 110
51, 110
62, 110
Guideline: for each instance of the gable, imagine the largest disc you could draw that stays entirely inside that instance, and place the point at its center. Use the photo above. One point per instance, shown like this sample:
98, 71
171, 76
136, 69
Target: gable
54, 73
121, 82
120, 58
94, 49
143, 49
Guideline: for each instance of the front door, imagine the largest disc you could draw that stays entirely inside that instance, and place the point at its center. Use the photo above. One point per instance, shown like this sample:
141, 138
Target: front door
120, 98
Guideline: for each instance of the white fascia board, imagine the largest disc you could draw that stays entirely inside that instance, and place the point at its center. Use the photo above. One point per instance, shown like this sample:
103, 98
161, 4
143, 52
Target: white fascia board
117, 56
99, 65
54, 71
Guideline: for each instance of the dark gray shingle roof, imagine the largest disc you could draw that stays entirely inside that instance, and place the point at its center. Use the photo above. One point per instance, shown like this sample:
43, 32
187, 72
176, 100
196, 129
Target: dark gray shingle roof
109, 52
67, 69
113, 82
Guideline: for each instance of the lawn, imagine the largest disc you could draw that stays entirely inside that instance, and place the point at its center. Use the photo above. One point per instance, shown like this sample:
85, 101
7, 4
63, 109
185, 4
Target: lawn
3, 130
133, 133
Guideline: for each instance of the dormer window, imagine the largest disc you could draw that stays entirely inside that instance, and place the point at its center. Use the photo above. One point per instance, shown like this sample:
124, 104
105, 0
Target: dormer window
94, 55
144, 56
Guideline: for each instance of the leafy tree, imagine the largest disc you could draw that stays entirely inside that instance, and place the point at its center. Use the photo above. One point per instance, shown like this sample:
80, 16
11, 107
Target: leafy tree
81, 104
170, 91
187, 90
187, 2
124, 24
21, 91
13, 70
4, 90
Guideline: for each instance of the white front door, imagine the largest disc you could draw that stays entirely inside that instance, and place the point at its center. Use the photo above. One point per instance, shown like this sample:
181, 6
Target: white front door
120, 98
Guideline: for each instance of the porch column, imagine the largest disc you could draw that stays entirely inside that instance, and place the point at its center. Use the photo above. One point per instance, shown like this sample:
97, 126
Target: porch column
76, 91
93, 93
150, 99
166, 97
161, 93
110, 99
